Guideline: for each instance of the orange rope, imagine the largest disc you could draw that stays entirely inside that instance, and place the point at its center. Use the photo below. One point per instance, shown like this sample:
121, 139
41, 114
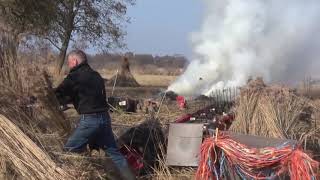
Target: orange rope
251, 161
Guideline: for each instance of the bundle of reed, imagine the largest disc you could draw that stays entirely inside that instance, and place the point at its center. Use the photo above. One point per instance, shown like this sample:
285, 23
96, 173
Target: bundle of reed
8, 60
12, 106
18, 82
25, 157
47, 99
272, 111
36, 107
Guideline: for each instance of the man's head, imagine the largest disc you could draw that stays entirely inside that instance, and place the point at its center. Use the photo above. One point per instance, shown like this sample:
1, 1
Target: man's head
75, 58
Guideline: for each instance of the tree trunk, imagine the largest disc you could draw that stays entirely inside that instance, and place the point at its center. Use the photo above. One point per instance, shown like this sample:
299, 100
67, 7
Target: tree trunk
63, 52
67, 35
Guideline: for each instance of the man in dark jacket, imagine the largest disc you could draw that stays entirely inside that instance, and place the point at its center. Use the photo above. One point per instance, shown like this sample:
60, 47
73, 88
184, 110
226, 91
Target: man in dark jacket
84, 88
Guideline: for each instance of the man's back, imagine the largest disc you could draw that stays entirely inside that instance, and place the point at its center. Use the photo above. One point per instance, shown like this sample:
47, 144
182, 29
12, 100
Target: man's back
85, 88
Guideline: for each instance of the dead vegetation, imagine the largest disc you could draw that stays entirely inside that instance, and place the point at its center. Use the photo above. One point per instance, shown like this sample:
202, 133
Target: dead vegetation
24, 157
277, 112
164, 172
20, 127
32, 128
124, 78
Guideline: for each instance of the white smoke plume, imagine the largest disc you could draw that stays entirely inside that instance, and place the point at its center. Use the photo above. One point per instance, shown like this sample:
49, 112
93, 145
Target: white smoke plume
276, 39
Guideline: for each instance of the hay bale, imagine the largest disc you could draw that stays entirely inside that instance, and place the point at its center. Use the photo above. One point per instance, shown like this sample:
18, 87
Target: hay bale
124, 78
25, 157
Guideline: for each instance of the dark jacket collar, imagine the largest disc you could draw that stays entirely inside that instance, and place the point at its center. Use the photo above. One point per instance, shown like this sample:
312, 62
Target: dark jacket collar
82, 65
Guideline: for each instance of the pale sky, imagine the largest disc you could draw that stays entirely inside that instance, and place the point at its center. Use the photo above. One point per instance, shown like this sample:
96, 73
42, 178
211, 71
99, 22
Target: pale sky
161, 27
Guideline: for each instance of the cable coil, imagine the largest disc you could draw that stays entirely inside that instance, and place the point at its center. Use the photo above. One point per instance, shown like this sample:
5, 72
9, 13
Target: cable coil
221, 155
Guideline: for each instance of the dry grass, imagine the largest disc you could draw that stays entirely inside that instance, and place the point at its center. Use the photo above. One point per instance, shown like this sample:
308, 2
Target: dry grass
18, 84
146, 79
155, 80
29, 151
44, 111
167, 114
37, 146
8, 59
261, 114
24, 156
164, 172
275, 112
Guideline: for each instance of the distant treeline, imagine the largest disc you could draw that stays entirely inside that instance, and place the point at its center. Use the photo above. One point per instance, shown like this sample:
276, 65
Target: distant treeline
141, 63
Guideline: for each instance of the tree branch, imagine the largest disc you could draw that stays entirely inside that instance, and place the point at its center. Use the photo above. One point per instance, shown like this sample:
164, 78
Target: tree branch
53, 43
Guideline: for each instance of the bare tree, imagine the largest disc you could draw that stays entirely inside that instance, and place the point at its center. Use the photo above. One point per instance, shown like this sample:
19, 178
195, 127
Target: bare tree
18, 18
98, 22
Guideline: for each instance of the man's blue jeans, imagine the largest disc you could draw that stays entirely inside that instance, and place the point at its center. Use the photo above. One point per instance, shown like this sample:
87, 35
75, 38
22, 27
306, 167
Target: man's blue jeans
95, 130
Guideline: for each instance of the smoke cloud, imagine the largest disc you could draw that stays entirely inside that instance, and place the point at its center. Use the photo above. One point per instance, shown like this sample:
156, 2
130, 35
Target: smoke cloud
275, 39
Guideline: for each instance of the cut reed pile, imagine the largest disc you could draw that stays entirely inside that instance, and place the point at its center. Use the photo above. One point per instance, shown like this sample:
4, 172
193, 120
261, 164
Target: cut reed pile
24, 156
274, 111
37, 102
124, 78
